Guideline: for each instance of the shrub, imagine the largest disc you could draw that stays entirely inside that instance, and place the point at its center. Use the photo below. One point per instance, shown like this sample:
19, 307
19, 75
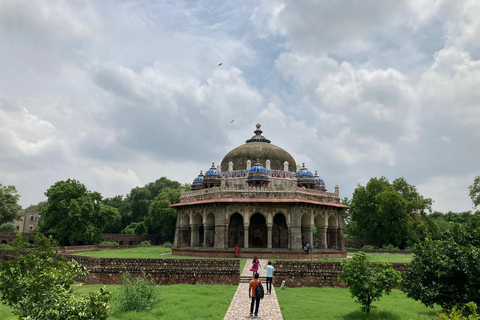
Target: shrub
108, 244
145, 243
136, 294
4, 246
390, 247
368, 283
469, 312
368, 247
38, 285
167, 244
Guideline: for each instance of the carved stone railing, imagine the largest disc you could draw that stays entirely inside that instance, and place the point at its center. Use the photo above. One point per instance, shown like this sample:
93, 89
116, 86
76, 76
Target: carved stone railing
269, 192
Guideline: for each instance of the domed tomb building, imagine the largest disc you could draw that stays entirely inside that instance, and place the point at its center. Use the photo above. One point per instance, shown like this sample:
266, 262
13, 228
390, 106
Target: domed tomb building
261, 201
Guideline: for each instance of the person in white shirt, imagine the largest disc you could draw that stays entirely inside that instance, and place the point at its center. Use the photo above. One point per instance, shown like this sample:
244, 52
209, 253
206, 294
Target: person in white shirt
269, 277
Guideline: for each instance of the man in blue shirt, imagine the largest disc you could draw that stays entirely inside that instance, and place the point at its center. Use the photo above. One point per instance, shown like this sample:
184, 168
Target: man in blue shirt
269, 277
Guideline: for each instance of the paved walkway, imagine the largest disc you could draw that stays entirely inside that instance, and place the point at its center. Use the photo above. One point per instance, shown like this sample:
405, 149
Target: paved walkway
240, 305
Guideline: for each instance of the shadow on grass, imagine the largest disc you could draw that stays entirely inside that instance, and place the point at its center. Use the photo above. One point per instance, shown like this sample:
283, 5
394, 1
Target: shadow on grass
373, 315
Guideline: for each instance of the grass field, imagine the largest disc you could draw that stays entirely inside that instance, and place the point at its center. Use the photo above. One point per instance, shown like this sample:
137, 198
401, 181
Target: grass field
380, 257
178, 302
335, 303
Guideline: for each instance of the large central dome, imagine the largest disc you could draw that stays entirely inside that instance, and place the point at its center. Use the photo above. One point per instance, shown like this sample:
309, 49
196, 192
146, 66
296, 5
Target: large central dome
258, 148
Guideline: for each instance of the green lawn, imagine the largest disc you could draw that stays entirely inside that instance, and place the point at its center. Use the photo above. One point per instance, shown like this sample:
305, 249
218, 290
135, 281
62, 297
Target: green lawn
139, 252
380, 257
177, 302
336, 303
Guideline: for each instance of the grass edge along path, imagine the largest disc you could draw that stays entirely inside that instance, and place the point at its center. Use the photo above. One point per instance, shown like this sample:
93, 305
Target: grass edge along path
177, 302
308, 303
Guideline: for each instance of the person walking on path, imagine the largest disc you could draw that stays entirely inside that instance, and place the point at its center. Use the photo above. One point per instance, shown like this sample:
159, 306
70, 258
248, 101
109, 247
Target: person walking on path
252, 294
237, 251
269, 277
255, 265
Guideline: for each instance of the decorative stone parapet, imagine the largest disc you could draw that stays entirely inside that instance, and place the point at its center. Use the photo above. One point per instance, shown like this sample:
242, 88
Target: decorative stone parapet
268, 192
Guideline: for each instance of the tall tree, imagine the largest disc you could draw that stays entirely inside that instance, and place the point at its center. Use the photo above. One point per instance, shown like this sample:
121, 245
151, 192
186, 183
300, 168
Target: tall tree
161, 218
383, 211
75, 214
475, 191
9, 208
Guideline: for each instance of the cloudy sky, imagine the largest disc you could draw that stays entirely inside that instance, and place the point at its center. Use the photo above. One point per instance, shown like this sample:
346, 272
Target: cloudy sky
119, 93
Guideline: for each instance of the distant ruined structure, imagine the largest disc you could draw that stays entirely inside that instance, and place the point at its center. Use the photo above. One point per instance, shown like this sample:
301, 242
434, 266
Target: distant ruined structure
261, 201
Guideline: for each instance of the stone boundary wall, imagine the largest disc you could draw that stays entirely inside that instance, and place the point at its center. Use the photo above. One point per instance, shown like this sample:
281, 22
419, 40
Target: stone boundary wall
313, 273
381, 251
163, 271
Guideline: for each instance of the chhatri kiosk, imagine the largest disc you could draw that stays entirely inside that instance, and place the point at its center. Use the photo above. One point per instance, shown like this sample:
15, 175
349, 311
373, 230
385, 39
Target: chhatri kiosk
261, 201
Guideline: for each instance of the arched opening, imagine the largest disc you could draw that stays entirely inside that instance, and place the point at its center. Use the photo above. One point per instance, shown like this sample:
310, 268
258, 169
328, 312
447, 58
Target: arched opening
210, 230
4, 241
236, 230
130, 243
198, 230
185, 229
31, 241
305, 229
279, 231
332, 232
258, 231
121, 243
321, 231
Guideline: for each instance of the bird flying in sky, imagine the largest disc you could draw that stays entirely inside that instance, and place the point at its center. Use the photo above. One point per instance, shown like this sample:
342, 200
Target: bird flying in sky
220, 64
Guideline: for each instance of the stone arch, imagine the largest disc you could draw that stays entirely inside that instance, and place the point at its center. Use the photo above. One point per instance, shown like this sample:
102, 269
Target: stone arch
257, 231
4, 242
332, 232
321, 230
236, 230
197, 229
305, 224
209, 230
185, 230
130, 243
121, 243
279, 231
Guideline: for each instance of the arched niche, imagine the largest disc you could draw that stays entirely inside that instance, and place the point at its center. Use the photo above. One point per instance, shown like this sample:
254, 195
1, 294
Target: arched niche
258, 231
279, 231
236, 230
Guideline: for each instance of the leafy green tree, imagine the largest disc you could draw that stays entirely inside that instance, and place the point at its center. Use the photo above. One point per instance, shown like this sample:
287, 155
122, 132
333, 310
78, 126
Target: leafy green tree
475, 191
7, 227
140, 228
75, 214
444, 273
382, 211
161, 219
38, 285
9, 208
368, 283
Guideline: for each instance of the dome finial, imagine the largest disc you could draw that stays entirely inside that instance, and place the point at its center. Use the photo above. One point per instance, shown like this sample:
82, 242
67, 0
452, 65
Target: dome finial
258, 135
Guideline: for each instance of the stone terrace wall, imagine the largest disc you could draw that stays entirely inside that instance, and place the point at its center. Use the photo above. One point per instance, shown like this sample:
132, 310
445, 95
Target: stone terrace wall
313, 273
163, 271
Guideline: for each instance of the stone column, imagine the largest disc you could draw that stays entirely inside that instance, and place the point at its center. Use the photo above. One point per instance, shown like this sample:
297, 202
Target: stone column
195, 236
246, 236
310, 236
220, 237
340, 241
296, 238
269, 237
322, 237
205, 231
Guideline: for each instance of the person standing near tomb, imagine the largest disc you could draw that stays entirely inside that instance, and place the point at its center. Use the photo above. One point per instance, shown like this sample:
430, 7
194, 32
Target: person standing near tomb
252, 294
269, 269
237, 251
255, 265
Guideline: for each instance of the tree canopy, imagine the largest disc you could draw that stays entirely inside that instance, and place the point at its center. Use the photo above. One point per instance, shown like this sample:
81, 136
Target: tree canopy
161, 218
38, 285
75, 214
9, 207
474, 191
388, 213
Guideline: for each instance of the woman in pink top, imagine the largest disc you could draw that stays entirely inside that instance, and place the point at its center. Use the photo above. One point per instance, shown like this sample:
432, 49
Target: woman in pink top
255, 265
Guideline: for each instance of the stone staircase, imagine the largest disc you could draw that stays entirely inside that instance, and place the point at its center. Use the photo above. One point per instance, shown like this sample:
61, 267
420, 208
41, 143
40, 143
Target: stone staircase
247, 279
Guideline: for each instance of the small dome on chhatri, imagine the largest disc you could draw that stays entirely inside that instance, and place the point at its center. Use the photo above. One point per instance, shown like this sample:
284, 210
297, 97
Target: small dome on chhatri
257, 171
198, 182
212, 177
319, 183
304, 173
